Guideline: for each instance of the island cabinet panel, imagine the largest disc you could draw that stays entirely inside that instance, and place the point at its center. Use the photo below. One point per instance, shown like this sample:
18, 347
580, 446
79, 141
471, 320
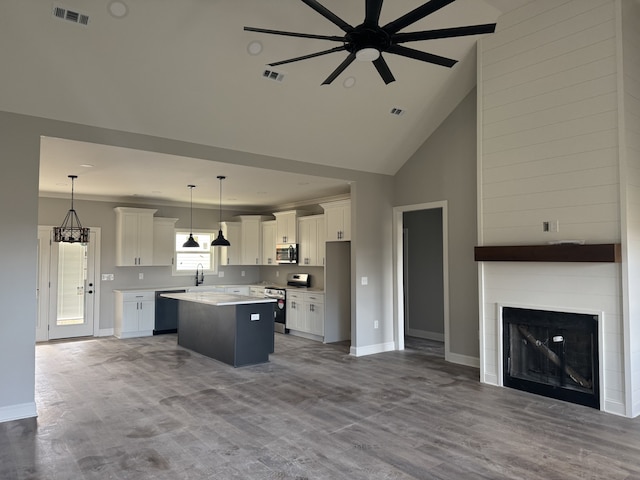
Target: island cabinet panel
237, 335
134, 236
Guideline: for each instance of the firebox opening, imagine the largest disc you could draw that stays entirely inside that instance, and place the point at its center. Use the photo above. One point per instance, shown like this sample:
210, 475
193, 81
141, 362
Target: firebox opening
550, 353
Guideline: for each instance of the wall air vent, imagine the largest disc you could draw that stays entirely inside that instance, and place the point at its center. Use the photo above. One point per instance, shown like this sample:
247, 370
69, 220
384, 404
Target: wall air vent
272, 75
66, 14
397, 111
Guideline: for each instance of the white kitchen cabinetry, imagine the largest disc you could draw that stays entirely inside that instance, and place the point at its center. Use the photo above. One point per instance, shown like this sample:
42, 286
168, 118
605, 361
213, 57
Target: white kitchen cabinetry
134, 236
305, 313
164, 240
134, 314
231, 255
337, 220
312, 238
287, 226
269, 242
251, 241
313, 304
295, 311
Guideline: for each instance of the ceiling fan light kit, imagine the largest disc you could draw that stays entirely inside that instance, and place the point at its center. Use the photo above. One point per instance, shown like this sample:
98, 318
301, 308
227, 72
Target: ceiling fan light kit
368, 41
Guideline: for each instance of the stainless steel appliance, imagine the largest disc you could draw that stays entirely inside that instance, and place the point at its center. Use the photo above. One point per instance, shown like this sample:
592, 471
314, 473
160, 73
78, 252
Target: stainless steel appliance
287, 253
280, 311
166, 313
299, 280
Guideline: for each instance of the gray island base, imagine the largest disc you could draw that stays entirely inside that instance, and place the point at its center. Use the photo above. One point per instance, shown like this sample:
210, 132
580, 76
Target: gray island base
234, 329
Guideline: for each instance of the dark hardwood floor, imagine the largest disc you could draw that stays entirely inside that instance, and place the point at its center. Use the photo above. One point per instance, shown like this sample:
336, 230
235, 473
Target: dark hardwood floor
148, 409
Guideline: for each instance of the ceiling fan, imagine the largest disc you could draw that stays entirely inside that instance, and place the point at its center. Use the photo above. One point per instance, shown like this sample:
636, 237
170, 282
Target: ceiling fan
369, 40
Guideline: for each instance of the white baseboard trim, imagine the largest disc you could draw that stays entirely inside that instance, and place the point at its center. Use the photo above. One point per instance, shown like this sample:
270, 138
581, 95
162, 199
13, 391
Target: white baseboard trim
372, 349
615, 408
438, 337
18, 412
105, 332
462, 359
490, 379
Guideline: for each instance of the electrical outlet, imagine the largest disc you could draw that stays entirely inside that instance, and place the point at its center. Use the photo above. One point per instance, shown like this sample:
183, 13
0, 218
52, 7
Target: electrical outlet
107, 277
551, 226
242, 273
375, 324
277, 273
365, 281
141, 276
221, 274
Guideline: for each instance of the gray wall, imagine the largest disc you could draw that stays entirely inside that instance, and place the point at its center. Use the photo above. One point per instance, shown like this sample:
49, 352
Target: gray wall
424, 288
444, 168
19, 153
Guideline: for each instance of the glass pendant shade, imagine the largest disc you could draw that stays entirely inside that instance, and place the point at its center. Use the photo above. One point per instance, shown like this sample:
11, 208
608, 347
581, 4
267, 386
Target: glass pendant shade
191, 242
71, 230
220, 241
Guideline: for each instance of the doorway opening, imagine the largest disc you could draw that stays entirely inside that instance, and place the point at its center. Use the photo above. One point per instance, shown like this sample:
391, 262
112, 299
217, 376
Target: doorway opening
68, 297
428, 316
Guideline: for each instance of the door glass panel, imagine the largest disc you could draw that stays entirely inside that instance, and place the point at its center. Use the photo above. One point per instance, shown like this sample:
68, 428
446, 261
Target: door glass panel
72, 273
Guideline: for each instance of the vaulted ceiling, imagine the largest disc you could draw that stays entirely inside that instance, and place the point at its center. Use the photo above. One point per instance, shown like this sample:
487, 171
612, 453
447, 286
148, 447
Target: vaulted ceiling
187, 70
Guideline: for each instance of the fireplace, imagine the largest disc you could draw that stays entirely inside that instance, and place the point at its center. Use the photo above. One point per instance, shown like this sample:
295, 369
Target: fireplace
552, 353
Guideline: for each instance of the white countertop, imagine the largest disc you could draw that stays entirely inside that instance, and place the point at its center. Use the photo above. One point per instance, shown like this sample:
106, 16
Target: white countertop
217, 299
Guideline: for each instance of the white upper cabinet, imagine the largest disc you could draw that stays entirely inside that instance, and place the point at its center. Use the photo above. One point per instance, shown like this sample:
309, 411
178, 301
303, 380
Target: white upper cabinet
286, 226
231, 255
269, 242
312, 238
134, 236
164, 240
337, 220
251, 241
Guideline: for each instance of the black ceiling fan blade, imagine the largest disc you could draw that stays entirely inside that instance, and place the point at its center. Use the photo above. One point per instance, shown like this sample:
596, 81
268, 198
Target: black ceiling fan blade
444, 33
373, 9
329, 15
424, 56
311, 55
415, 15
340, 69
383, 70
295, 34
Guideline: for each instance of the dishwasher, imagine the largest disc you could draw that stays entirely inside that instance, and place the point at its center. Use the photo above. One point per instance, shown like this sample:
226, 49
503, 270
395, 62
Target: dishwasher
166, 318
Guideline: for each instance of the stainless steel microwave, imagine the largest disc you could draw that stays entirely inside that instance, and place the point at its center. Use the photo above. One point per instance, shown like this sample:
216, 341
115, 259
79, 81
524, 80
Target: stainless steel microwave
287, 253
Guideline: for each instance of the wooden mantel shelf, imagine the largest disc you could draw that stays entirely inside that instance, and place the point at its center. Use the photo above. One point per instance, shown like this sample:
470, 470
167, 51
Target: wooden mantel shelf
604, 252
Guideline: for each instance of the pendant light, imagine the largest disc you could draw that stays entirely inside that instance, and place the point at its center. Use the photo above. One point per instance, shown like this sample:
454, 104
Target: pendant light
71, 230
220, 241
191, 243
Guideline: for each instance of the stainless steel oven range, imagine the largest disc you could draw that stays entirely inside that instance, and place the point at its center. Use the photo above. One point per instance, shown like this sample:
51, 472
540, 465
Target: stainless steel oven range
280, 312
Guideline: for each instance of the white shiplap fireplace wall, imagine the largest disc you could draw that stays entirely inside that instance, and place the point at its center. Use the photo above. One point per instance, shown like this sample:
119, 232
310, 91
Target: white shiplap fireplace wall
559, 140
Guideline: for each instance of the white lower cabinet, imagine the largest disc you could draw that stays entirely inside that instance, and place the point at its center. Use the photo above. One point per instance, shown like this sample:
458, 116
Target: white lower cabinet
134, 314
305, 313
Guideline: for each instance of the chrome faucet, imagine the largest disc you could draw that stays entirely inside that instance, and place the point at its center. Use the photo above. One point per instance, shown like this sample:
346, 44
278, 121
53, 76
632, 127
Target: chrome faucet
200, 276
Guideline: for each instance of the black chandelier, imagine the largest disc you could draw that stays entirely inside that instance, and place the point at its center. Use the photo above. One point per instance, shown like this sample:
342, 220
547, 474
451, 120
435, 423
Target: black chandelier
191, 243
71, 230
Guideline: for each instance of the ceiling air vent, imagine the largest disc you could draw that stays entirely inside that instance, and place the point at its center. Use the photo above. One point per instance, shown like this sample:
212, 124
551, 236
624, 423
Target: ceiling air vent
397, 111
66, 14
272, 75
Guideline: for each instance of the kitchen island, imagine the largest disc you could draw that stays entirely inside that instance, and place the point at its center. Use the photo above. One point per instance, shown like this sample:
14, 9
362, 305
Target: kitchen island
234, 329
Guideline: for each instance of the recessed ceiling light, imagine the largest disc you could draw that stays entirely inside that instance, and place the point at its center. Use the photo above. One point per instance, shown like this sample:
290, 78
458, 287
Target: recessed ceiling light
87, 165
254, 48
349, 82
118, 9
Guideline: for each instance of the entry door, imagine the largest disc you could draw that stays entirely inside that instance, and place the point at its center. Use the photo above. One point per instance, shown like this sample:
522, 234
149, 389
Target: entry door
69, 289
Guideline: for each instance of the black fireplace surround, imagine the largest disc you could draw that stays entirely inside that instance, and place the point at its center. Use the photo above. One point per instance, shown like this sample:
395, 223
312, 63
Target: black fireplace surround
554, 354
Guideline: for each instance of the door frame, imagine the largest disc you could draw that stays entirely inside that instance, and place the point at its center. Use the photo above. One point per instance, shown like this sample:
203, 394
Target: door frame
399, 274
44, 282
